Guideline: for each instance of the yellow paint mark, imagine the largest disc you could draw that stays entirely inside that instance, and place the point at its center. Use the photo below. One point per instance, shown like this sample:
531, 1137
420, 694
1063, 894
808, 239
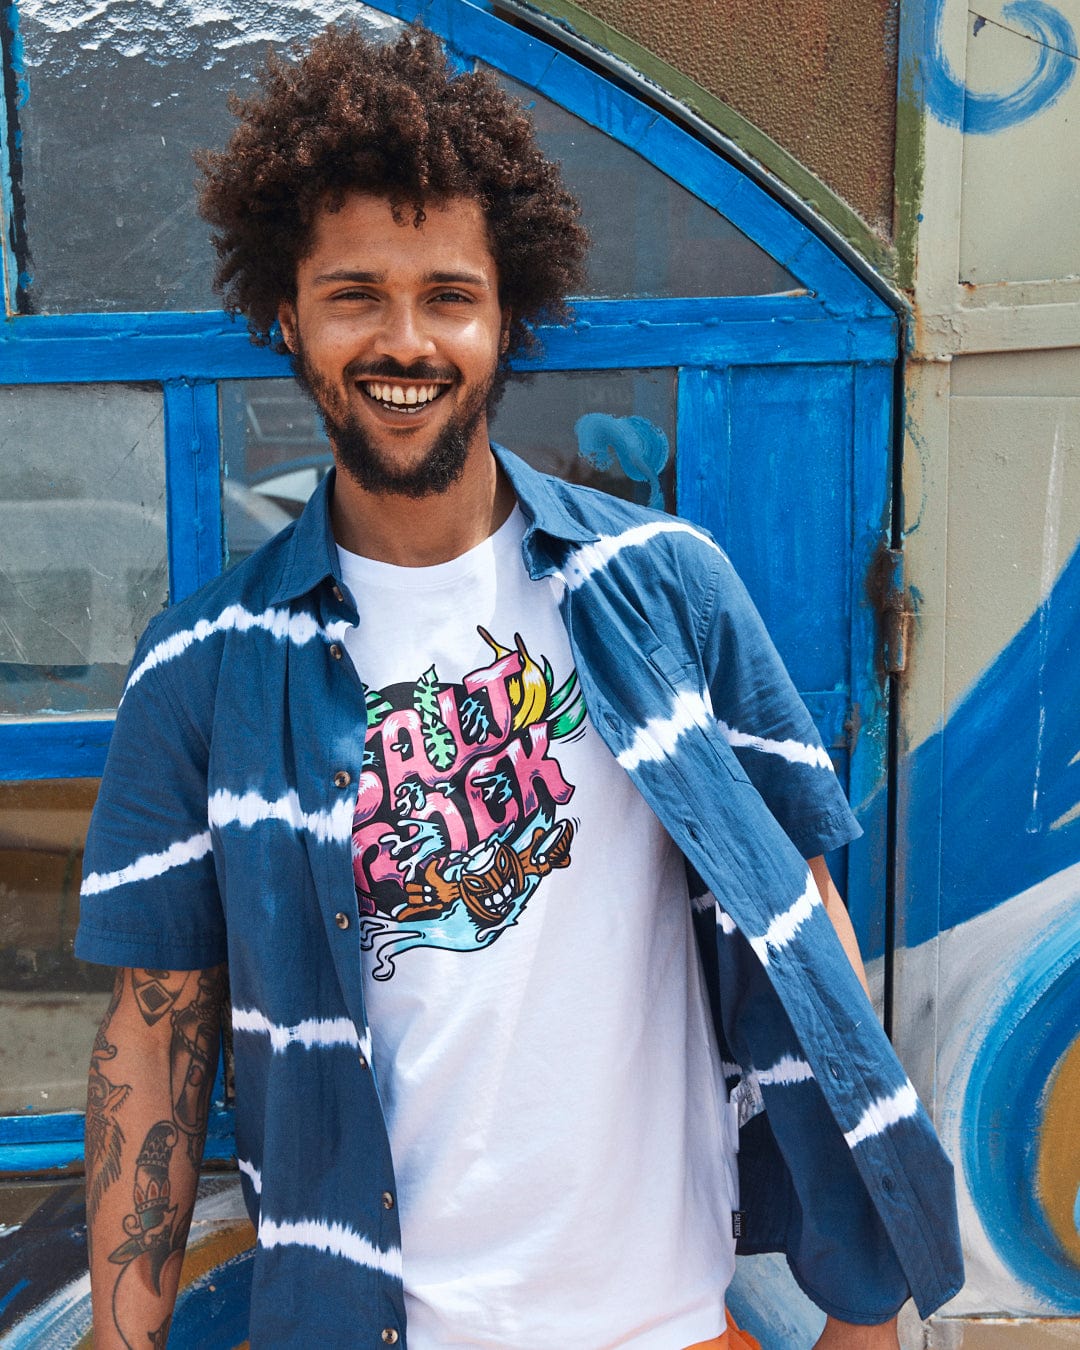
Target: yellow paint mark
1057, 1176
203, 1254
221, 1245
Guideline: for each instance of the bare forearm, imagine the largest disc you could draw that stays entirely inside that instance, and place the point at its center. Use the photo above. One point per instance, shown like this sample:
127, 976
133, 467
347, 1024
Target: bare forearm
846, 1336
841, 920
151, 1075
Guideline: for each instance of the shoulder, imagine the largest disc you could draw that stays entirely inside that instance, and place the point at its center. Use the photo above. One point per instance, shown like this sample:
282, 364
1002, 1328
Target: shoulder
184, 643
638, 536
251, 585
665, 562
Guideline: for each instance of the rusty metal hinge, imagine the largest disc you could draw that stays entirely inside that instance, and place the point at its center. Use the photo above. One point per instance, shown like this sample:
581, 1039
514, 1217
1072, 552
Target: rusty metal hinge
894, 609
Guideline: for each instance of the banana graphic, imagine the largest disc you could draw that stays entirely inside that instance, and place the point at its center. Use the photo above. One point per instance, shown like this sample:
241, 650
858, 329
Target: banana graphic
496, 646
534, 690
528, 691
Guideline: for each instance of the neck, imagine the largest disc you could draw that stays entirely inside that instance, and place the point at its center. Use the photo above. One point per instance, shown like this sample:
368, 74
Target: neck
423, 531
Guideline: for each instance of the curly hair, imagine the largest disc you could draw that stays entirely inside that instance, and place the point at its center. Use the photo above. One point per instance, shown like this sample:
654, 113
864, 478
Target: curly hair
393, 120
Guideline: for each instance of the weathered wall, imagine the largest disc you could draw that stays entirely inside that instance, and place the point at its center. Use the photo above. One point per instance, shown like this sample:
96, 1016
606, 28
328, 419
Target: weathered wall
817, 76
988, 973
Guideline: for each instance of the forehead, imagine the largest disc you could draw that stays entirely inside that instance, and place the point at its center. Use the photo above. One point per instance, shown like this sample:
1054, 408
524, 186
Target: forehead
363, 235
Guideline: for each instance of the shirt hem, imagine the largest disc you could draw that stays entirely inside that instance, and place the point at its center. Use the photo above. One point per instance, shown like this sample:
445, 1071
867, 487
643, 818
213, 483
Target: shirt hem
103, 948
855, 1316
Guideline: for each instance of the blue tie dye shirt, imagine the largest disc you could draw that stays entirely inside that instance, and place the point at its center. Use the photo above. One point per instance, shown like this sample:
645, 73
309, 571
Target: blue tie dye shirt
223, 833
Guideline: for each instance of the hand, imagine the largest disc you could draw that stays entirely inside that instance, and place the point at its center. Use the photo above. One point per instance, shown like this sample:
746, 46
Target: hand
847, 1336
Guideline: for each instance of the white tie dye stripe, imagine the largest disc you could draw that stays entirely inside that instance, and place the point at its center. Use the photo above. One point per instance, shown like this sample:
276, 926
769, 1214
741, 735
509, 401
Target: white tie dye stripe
590, 558
703, 903
250, 808
883, 1113
229, 808
795, 752
657, 739
784, 927
281, 624
333, 1238
725, 922
786, 1072
252, 1173
313, 1033
150, 865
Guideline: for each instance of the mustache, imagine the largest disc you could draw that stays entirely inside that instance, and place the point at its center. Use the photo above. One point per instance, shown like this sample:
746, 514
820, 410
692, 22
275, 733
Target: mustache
389, 369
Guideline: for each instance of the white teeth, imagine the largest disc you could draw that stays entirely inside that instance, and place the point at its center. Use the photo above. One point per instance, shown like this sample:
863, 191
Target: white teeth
405, 397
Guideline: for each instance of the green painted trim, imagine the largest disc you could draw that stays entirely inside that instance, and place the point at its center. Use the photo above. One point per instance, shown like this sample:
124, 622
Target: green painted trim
773, 157
909, 173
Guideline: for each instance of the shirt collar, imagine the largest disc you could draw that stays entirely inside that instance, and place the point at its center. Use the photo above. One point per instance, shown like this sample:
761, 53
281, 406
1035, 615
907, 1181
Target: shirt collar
312, 556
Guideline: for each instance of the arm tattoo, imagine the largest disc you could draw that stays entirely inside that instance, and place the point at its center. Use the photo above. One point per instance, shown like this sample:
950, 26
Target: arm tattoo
155, 1229
156, 991
104, 1133
155, 1240
196, 1028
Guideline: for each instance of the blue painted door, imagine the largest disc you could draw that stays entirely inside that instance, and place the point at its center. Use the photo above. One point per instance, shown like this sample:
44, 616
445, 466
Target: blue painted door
759, 367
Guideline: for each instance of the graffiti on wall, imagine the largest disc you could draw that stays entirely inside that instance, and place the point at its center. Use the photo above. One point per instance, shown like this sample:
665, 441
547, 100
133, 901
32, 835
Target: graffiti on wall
45, 1288
1054, 56
997, 874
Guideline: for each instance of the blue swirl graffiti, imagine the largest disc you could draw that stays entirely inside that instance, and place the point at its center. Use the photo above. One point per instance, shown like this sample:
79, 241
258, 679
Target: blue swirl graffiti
640, 448
1003, 1106
951, 102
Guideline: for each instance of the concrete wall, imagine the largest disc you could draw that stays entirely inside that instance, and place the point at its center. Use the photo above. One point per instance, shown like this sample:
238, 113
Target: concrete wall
816, 76
990, 232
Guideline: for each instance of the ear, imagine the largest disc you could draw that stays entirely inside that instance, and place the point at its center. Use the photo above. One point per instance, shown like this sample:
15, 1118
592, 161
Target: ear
287, 319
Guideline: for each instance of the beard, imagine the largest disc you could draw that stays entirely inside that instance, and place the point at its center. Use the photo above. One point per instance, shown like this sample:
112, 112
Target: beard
374, 469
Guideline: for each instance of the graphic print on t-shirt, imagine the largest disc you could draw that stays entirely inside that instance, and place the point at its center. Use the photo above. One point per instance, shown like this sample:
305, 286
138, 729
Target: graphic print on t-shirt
456, 819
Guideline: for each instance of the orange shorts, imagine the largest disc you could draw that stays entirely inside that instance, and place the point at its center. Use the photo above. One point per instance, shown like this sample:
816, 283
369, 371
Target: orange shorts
732, 1339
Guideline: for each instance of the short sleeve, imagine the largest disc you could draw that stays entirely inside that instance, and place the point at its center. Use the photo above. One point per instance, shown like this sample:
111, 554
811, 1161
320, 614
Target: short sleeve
767, 724
149, 893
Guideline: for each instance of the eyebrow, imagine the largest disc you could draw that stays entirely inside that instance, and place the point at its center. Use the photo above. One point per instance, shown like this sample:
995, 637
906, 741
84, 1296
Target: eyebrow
431, 278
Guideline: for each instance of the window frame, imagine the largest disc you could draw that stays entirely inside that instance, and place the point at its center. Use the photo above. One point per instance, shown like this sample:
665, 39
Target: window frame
838, 318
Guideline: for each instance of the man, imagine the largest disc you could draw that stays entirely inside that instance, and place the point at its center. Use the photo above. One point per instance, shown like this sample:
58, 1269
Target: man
442, 781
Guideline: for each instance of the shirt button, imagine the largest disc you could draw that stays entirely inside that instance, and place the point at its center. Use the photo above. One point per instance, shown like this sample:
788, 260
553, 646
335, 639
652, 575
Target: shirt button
338, 595
341, 919
342, 778
612, 721
362, 1061
387, 1200
389, 1336
335, 651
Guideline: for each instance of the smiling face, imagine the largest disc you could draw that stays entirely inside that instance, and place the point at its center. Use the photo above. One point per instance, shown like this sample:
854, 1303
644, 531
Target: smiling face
397, 333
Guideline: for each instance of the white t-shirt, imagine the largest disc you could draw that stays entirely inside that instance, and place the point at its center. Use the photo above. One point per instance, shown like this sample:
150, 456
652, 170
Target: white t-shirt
562, 1141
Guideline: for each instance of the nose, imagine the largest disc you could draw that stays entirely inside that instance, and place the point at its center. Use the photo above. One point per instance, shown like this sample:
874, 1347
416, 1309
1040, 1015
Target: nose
402, 333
